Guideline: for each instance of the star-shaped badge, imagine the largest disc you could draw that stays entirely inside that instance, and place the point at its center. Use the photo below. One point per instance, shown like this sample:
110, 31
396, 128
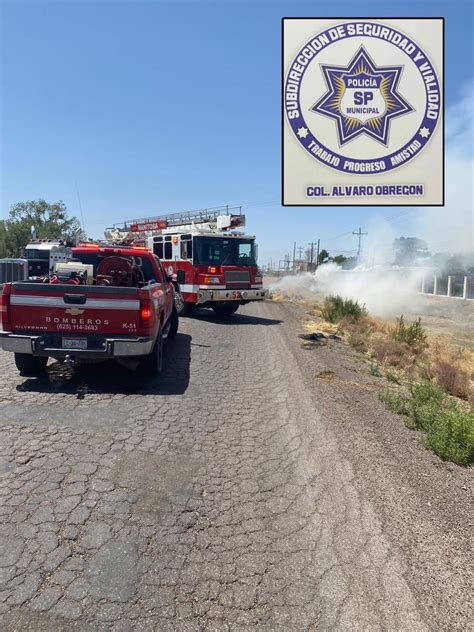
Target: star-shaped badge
424, 132
303, 132
362, 98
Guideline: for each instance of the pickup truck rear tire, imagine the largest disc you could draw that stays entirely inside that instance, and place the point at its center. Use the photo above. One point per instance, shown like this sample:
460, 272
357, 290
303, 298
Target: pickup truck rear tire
174, 322
226, 309
151, 364
29, 365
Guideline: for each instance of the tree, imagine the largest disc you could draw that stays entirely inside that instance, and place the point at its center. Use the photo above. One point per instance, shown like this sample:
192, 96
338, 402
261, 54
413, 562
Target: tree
339, 259
410, 250
323, 256
50, 221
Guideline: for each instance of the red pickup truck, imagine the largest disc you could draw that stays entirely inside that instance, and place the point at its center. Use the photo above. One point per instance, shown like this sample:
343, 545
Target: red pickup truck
108, 302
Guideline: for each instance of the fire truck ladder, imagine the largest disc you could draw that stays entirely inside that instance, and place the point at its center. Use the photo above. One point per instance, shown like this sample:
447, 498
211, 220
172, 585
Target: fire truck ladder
200, 216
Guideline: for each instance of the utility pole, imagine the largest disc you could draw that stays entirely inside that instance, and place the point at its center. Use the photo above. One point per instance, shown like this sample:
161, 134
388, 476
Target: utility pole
300, 252
359, 234
294, 256
317, 255
312, 244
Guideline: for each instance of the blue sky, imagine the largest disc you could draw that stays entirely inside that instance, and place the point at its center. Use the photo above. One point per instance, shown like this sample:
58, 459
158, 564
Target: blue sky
157, 106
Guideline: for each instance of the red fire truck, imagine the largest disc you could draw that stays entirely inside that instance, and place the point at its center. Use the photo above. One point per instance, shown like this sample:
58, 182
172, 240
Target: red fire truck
212, 262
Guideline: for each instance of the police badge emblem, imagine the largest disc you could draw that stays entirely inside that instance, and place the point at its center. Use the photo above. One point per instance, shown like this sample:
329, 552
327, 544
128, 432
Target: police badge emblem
363, 99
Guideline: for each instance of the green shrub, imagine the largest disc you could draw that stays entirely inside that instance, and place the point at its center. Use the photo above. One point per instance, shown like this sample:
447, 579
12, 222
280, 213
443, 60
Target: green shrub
335, 308
451, 436
396, 403
427, 401
393, 376
414, 335
375, 370
426, 392
449, 428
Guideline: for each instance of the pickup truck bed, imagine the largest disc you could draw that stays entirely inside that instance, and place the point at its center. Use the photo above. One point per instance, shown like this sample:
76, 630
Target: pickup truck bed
44, 317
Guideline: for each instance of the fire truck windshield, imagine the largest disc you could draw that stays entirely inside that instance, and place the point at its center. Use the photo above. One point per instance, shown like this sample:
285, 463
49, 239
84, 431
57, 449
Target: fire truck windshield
221, 251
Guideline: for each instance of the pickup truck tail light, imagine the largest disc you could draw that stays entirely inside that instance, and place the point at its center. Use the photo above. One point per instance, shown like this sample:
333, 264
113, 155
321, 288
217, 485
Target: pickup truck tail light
145, 313
145, 310
5, 306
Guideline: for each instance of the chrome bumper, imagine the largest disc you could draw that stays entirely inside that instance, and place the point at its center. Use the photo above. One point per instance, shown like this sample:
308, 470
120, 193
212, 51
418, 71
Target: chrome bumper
109, 347
206, 295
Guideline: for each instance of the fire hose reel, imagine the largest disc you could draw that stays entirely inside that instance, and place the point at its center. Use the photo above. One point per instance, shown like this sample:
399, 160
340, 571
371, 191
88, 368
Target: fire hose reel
118, 271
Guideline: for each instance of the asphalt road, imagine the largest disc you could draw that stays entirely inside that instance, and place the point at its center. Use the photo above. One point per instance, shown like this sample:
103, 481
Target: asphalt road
237, 492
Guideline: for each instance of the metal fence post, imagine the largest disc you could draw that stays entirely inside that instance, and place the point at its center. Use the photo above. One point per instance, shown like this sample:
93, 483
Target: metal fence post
450, 285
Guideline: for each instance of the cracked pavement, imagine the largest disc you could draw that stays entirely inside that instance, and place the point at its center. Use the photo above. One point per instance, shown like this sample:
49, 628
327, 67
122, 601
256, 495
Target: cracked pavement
216, 498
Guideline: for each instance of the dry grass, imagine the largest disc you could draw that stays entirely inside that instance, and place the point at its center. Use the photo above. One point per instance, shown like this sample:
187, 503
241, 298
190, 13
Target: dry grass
452, 367
325, 375
332, 377
452, 379
449, 365
395, 354
277, 297
358, 341
312, 326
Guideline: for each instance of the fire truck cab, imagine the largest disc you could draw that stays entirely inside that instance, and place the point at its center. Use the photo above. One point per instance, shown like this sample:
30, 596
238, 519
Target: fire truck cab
212, 263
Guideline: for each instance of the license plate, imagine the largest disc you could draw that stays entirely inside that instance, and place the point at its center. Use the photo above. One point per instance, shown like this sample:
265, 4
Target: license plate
74, 343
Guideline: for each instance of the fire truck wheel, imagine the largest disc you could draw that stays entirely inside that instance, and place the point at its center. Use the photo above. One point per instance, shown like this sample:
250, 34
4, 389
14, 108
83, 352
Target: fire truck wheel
226, 309
151, 364
182, 308
174, 322
29, 365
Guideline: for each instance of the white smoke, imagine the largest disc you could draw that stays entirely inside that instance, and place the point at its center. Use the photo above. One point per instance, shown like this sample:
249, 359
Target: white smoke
386, 292
378, 244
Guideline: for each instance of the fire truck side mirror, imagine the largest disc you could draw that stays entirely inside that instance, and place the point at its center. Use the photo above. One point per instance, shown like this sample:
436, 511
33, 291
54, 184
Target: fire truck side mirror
180, 277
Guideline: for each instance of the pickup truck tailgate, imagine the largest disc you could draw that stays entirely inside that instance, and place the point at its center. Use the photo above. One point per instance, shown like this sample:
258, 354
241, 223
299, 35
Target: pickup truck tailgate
74, 309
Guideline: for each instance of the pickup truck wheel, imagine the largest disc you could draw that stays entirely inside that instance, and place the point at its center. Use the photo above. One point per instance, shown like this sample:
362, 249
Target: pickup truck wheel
173, 324
226, 309
182, 308
151, 365
30, 365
